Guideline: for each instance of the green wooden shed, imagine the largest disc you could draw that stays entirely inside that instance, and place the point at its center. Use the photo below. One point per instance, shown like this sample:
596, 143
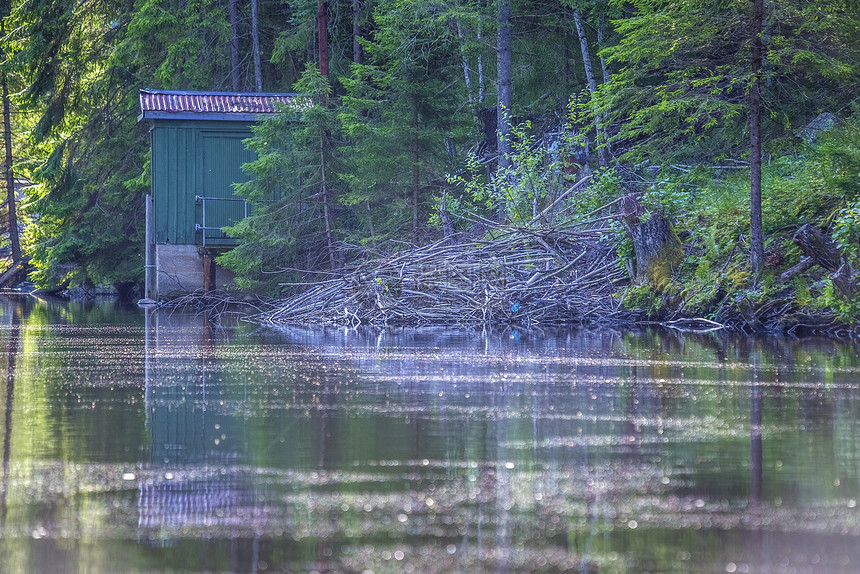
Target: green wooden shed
196, 158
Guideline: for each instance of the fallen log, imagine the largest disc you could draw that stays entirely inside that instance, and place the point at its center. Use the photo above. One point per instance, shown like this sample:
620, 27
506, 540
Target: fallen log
818, 247
822, 250
803, 265
16, 274
847, 281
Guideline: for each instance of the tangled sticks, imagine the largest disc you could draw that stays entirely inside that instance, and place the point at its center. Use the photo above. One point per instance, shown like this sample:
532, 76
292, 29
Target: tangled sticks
521, 276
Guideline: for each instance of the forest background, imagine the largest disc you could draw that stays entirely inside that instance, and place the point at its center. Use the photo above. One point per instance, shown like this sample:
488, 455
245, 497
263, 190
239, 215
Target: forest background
735, 121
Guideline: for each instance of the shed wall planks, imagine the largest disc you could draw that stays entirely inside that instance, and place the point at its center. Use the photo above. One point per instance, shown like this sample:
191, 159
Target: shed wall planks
194, 158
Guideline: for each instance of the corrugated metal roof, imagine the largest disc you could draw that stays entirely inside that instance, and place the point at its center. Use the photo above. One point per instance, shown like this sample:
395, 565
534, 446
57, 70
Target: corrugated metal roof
162, 103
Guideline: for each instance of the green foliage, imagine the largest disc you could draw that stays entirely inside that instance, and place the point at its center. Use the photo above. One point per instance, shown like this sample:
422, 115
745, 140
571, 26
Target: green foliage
605, 186
642, 297
182, 40
531, 178
76, 68
816, 184
286, 228
475, 184
847, 309
83, 144
681, 78
78, 65
401, 113
802, 293
846, 230
685, 68
674, 195
455, 206
385, 142
534, 179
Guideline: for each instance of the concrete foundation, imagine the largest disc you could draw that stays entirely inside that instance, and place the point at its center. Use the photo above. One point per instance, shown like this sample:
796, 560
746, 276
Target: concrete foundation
179, 270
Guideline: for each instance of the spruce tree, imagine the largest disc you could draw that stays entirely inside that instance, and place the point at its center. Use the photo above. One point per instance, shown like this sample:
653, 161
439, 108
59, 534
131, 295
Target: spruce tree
401, 113
694, 75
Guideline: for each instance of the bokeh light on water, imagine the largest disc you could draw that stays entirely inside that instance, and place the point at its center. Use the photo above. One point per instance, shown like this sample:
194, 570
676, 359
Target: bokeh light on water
136, 442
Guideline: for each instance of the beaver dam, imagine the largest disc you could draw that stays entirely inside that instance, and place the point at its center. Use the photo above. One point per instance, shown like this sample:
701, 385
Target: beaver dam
520, 276
513, 276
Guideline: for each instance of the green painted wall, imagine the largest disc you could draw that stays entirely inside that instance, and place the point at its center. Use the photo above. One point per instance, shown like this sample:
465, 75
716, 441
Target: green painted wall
197, 158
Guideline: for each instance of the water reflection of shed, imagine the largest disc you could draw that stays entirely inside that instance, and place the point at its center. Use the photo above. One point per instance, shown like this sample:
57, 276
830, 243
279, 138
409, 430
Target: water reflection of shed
197, 155
192, 444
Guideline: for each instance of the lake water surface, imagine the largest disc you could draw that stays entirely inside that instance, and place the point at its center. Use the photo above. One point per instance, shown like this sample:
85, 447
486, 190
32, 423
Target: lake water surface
156, 442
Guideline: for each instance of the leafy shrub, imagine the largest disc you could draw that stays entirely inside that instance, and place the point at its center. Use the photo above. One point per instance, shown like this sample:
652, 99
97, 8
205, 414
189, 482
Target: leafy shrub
846, 230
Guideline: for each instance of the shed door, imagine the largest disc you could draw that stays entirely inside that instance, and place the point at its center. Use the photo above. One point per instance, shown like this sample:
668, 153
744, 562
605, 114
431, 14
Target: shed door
223, 156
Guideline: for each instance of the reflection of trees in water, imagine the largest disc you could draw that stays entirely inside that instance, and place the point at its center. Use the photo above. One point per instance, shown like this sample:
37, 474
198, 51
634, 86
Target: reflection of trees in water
756, 467
585, 440
11, 358
326, 452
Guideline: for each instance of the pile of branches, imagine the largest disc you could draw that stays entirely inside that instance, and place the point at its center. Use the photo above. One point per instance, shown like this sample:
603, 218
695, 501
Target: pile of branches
520, 276
218, 303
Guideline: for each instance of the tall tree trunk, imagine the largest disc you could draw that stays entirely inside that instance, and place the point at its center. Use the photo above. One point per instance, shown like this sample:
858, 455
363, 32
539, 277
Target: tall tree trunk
466, 72
325, 200
482, 84
601, 26
322, 33
565, 60
255, 39
234, 45
592, 86
756, 235
14, 241
503, 83
416, 174
356, 31
12, 358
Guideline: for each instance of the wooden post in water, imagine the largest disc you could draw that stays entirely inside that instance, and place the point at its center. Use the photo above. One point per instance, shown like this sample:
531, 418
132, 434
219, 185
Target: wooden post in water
208, 271
149, 255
